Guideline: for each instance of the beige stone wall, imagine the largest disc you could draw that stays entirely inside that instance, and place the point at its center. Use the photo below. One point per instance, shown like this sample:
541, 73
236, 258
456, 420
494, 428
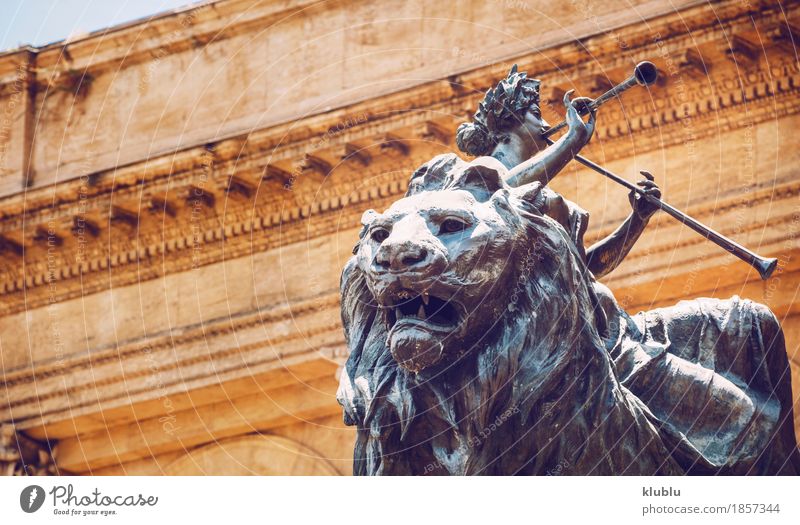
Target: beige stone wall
200, 314
243, 65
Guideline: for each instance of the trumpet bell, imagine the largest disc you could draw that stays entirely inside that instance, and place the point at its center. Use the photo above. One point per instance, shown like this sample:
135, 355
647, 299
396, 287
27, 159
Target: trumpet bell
765, 267
646, 73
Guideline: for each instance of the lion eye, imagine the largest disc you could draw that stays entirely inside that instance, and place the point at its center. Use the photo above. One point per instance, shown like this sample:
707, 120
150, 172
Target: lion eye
452, 225
379, 234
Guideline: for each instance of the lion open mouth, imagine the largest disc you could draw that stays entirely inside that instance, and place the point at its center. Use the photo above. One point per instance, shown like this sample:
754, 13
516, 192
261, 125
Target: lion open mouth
412, 307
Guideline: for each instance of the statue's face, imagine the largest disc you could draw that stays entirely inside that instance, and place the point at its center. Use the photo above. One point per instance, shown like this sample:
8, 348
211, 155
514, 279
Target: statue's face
532, 128
533, 119
434, 263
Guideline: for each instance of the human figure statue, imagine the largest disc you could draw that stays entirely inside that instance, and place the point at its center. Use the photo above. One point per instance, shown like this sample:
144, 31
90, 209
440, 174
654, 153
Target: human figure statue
508, 126
482, 343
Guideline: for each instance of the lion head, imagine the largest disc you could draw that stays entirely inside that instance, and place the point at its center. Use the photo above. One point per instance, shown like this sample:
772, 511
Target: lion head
434, 260
463, 303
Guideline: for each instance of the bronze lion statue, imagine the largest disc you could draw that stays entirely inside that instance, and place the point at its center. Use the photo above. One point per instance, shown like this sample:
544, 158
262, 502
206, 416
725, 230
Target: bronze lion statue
481, 341
480, 345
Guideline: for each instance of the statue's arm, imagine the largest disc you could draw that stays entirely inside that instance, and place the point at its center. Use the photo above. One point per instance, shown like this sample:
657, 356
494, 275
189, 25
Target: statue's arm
550, 161
605, 255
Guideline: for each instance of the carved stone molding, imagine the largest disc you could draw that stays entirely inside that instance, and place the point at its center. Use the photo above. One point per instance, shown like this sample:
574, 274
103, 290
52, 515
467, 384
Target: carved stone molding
239, 347
260, 455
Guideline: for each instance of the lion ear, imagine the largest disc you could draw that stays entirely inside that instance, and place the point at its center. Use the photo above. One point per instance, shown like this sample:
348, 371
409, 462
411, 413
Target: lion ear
368, 217
530, 193
484, 178
366, 220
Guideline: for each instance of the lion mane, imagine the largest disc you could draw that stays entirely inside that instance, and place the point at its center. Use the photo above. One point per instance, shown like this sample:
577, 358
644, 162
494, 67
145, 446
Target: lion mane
535, 394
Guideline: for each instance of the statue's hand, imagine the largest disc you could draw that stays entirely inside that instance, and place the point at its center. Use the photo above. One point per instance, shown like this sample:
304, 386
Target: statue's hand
577, 127
641, 206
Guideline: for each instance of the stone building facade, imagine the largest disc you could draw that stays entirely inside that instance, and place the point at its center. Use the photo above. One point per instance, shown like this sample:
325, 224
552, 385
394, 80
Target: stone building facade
178, 196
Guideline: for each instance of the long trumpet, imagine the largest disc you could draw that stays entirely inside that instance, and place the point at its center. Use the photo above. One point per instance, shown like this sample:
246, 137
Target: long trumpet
645, 74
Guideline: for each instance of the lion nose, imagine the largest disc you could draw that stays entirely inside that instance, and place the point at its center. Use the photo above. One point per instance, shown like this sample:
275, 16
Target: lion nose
406, 255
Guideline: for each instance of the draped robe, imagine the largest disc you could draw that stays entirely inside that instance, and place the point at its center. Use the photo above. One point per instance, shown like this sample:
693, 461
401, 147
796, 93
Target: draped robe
712, 373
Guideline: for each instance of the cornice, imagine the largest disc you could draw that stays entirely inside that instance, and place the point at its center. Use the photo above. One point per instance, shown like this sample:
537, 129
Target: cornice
139, 40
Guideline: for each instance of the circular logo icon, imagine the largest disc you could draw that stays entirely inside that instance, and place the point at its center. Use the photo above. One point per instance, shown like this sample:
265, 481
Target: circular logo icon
31, 498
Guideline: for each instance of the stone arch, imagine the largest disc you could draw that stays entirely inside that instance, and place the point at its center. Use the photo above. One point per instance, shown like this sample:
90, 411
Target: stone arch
252, 455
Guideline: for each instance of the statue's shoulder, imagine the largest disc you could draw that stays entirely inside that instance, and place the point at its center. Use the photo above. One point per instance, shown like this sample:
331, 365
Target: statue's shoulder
573, 218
